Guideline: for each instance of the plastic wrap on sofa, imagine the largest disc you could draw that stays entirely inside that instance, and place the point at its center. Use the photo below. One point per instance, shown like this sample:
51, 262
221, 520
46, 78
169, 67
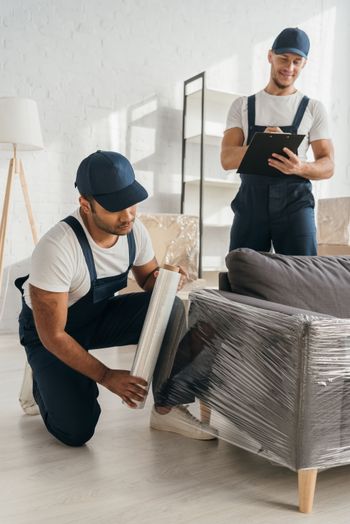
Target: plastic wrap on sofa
278, 384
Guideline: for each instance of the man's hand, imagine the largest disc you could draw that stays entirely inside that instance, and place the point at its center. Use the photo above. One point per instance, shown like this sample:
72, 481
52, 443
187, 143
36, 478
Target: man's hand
273, 130
290, 165
183, 277
127, 387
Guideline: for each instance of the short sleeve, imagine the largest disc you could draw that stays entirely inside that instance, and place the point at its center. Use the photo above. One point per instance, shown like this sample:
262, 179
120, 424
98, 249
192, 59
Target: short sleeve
144, 248
52, 267
320, 128
234, 117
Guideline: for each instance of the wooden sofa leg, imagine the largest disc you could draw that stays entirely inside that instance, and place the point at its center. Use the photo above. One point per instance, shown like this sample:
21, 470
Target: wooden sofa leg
205, 412
306, 488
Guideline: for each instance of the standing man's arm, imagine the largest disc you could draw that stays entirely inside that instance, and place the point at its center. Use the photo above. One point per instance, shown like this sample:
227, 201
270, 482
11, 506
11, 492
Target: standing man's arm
321, 168
232, 148
50, 315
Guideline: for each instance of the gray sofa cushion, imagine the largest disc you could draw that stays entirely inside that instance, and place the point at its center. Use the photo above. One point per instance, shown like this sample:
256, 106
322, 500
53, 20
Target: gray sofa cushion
319, 283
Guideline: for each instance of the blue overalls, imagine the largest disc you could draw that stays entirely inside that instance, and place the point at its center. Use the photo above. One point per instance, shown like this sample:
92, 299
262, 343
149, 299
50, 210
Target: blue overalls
275, 209
67, 399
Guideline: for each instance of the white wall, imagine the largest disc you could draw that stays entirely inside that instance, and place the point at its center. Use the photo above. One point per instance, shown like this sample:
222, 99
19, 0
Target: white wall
108, 74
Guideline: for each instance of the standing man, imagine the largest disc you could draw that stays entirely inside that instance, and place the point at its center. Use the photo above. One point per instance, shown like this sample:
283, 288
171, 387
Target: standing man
279, 210
70, 306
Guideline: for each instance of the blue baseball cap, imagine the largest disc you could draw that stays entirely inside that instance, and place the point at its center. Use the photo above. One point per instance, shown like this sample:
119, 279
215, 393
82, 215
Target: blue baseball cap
292, 40
110, 179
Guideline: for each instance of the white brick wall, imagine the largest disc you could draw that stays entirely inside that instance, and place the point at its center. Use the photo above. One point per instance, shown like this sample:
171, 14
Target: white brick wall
108, 74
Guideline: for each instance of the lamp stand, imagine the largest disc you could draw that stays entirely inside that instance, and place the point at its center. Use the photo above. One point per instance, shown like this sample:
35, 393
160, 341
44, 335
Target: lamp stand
15, 167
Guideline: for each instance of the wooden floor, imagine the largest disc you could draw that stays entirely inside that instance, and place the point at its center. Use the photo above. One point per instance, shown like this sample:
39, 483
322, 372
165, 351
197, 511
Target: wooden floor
130, 474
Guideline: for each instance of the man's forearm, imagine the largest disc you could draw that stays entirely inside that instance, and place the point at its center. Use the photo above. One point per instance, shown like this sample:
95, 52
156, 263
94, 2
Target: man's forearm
232, 156
320, 169
69, 351
118, 381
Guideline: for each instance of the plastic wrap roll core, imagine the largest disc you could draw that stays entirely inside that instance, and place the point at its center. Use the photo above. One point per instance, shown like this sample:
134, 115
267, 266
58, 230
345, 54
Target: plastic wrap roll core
155, 323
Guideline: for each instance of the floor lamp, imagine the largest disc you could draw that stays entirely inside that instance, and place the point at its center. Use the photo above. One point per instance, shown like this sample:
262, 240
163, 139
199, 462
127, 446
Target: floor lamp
19, 130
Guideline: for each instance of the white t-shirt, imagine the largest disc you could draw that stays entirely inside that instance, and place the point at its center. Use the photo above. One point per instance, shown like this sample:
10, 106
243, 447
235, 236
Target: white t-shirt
277, 111
58, 263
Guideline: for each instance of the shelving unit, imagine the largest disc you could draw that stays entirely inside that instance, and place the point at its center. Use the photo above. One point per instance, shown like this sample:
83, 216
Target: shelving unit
207, 190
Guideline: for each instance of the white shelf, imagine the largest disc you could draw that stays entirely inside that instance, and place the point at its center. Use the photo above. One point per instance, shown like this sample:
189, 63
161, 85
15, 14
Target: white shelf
216, 106
210, 140
214, 96
210, 224
218, 190
220, 216
215, 182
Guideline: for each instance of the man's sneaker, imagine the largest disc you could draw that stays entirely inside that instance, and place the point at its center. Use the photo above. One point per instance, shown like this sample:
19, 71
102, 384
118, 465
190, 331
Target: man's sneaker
26, 399
179, 420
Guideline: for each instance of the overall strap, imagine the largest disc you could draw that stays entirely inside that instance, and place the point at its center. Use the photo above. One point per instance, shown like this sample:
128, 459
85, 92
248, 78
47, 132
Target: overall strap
300, 112
132, 248
19, 283
84, 244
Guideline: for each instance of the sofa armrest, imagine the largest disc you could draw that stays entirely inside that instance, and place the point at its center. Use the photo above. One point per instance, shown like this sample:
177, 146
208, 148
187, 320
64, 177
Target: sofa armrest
224, 284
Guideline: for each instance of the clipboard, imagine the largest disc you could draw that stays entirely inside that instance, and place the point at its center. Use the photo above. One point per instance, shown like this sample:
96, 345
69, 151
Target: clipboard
261, 148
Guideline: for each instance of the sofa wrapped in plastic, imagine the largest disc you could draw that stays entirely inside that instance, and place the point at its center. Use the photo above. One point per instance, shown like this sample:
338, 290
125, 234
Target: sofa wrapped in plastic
271, 358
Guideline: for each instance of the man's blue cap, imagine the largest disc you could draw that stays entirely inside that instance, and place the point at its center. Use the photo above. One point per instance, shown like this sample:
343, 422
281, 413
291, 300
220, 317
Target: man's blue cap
110, 179
292, 40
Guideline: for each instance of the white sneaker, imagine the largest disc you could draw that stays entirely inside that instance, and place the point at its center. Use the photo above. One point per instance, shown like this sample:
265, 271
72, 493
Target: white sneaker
26, 399
180, 420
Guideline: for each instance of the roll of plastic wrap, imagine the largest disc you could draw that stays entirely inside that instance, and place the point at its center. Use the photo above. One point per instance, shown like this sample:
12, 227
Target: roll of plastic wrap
155, 324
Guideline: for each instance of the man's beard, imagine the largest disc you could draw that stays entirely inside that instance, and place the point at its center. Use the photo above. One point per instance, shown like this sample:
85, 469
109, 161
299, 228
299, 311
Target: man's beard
109, 229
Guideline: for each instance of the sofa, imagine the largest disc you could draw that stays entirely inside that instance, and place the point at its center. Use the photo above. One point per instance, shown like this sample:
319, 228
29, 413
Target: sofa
274, 360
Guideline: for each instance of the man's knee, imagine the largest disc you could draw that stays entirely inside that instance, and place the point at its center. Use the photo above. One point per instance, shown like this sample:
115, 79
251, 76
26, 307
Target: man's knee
74, 431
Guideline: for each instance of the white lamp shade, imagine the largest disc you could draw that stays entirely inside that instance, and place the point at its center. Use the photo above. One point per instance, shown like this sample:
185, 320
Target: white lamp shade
19, 123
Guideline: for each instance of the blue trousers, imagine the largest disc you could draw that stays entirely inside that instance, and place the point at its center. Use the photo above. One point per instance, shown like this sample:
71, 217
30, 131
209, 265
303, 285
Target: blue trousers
67, 399
273, 211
